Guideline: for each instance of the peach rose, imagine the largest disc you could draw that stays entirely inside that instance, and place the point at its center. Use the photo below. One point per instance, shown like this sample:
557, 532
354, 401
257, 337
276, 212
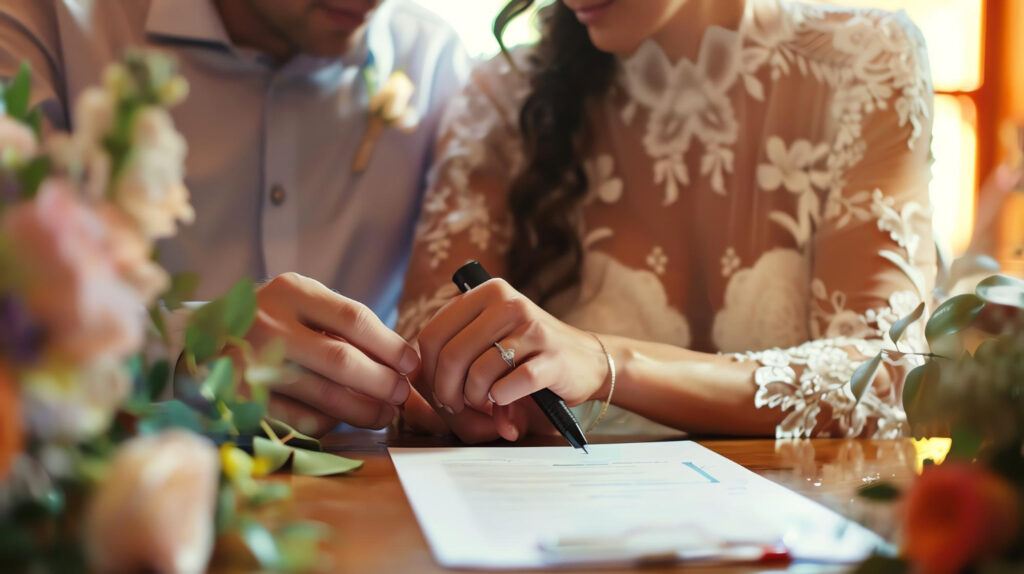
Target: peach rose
151, 188
155, 510
10, 422
958, 514
131, 254
75, 290
17, 138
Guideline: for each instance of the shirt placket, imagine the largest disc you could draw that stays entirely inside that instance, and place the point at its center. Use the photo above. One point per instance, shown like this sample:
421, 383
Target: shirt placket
279, 223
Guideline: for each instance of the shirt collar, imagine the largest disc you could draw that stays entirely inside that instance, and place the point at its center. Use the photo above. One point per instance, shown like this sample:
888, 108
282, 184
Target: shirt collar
199, 21
190, 20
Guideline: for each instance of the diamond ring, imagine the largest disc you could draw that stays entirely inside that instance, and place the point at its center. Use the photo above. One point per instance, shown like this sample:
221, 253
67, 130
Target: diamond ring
507, 355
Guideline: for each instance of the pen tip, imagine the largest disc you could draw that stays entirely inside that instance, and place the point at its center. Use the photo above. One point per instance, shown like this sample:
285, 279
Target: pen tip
585, 451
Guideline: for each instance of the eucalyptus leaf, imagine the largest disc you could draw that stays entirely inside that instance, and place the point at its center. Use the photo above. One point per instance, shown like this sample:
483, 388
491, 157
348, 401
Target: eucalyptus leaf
170, 414
183, 287
299, 545
157, 378
900, 326
267, 492
261, 544
240, 308
510, 12
226, 502
220, 383
32, 174
206, 331
920, 381
864, 376
247, 415
275, 453
311, 463
298, 440
879, 492
965, 444
1002, 290
157, 317
18, 93
952, 316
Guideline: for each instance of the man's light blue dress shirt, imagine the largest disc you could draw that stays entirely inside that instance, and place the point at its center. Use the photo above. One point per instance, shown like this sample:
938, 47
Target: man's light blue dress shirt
270, 147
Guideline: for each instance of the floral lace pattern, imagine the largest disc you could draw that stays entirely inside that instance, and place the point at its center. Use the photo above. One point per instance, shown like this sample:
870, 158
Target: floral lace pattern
767, 198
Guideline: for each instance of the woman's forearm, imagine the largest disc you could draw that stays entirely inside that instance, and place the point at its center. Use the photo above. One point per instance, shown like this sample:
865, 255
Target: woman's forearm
689, 390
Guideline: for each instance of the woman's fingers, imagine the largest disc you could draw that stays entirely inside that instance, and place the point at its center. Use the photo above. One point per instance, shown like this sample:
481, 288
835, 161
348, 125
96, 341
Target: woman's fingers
526, 379
473, 342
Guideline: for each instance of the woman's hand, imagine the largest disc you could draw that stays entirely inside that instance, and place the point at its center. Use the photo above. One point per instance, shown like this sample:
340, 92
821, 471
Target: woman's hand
462, 366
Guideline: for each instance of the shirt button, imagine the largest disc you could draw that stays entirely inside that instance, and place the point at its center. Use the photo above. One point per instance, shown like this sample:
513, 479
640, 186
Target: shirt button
277, 195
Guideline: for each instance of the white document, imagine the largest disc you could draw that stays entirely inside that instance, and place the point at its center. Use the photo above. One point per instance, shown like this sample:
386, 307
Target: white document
534, 507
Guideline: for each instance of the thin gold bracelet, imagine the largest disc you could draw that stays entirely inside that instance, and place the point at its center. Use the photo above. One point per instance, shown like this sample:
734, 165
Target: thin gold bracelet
611, 389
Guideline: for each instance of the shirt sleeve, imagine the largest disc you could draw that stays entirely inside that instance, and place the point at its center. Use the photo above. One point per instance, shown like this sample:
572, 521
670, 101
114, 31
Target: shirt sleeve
464, 215
29, 34
873, 258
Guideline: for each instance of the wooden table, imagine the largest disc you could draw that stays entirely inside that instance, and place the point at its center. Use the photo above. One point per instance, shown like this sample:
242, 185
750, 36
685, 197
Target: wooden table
375, 531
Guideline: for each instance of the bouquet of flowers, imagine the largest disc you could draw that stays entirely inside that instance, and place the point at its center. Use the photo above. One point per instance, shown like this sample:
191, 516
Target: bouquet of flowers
965, 513
93, 472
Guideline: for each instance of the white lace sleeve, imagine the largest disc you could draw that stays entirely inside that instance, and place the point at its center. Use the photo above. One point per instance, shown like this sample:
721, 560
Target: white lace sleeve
872, 250
464, 215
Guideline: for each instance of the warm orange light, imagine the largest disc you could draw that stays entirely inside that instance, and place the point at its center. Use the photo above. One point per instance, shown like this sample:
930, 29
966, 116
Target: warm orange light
954, 33
954, 174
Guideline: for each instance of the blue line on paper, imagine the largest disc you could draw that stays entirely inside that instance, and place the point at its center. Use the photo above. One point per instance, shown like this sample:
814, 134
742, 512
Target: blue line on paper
702, 472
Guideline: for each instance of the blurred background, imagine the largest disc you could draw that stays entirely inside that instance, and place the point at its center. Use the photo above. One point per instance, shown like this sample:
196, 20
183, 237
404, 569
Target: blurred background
976, 49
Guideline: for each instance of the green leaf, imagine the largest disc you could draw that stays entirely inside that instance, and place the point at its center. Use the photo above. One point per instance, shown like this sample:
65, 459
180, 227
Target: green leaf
864, 376
34, 119
511, 10
299, 545
18, 92
298, 440
226, 502
900, 326
879, 492
220, 384
878, 564
206, 331
277, 454
310, 463
247, 415
1002, 290
954, 315
261, 543
965, 444
183, 287
156, 380
916, 387
267, 492
170, 414
31, 176
240, 308
157, 317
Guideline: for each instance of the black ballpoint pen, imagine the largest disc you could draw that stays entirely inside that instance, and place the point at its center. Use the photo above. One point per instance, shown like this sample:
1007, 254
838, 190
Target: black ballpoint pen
469, 276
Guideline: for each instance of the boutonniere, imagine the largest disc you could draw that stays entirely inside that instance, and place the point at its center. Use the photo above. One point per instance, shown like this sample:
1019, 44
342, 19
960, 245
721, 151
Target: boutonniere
390, 106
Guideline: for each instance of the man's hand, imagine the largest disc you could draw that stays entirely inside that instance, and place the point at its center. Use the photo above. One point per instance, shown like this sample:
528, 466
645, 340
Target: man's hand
353, 368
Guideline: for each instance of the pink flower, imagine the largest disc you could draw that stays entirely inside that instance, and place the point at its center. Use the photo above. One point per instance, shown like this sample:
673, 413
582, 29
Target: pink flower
17, 138
155, 510
73, 285
131, 254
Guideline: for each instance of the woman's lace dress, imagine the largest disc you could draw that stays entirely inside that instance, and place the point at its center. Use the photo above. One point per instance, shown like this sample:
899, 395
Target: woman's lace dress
769, 199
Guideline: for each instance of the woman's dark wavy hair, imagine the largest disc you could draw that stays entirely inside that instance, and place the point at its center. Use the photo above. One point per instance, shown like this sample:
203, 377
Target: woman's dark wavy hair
566, 72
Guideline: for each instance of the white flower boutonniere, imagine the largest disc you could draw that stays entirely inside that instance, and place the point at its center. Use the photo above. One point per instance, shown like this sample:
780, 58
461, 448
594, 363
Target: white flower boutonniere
390, 106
